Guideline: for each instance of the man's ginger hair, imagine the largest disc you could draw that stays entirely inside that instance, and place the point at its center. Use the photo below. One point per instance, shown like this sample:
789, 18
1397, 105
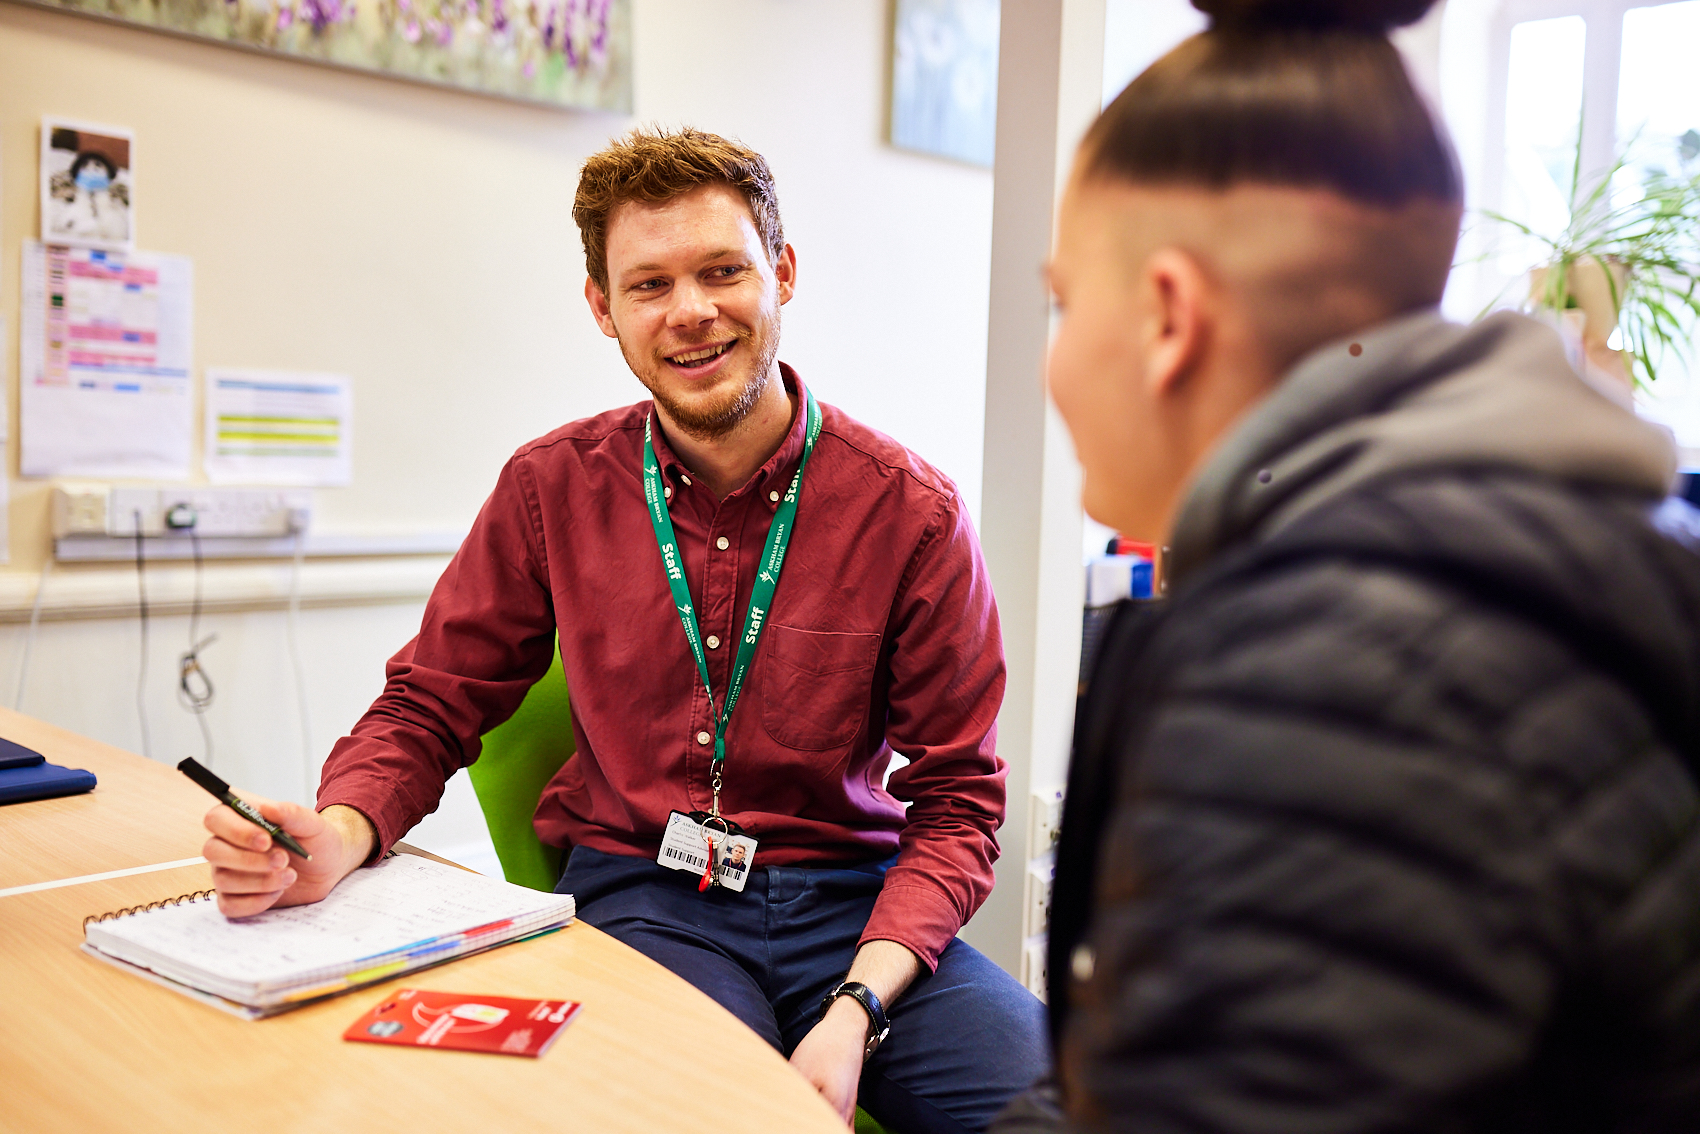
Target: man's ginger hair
657, 164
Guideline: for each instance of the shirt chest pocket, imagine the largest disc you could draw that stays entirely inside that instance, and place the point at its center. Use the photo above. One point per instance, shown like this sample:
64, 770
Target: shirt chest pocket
817, 686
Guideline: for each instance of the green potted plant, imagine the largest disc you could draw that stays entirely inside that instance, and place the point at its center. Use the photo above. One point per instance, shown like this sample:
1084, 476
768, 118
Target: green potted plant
1629, 266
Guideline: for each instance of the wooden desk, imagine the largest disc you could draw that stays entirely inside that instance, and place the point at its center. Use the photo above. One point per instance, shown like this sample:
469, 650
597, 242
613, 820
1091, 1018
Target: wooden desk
140, 812
86, 1047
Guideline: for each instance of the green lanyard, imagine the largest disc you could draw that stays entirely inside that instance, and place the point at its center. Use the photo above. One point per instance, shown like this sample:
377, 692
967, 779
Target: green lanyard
761, 595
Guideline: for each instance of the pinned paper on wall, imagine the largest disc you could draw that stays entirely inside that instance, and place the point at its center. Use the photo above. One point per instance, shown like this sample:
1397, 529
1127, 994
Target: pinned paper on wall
105, 346
279, 427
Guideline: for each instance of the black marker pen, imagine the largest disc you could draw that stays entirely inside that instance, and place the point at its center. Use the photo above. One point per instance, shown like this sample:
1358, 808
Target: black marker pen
241, 806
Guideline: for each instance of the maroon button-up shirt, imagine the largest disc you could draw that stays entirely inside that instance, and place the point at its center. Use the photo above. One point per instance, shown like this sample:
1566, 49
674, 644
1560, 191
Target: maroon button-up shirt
883, 638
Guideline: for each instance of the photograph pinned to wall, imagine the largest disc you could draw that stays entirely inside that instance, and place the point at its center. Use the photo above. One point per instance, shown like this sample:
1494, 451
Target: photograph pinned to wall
278, 427
88, 189
944, 78
575, 53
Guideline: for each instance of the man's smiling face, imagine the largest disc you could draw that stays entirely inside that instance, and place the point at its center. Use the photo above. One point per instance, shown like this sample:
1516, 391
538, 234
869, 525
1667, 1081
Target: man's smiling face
694, 303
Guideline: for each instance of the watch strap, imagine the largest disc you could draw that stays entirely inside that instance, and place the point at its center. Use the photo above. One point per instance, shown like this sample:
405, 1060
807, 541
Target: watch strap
878, 1025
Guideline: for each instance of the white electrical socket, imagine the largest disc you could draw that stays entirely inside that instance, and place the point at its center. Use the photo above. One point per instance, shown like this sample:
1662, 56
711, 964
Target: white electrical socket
79, 509
1044, 822
1038, 916
1035, 973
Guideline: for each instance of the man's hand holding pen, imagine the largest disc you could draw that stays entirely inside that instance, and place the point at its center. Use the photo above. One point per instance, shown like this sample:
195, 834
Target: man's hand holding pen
252, 873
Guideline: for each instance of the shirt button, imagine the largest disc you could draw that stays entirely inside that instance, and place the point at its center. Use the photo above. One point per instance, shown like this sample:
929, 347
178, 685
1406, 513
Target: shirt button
703, 738
686, 479
722, 543
713, 642
668, 492
773, 496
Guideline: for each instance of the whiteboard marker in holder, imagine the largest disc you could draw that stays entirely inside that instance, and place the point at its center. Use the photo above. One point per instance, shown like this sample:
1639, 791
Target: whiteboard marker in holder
242, 807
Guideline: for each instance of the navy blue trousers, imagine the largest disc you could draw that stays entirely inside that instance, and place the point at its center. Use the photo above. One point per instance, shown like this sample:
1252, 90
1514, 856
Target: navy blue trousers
964, 1039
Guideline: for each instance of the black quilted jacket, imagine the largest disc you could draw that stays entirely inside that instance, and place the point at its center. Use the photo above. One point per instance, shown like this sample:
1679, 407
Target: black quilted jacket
1390, 822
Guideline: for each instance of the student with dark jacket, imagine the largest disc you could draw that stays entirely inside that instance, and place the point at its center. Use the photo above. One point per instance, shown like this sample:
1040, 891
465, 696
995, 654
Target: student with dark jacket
1386, 818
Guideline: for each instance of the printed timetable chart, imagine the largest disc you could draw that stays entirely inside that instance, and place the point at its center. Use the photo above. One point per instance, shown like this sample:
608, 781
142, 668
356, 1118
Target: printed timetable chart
278, 427
105, 352
103, 320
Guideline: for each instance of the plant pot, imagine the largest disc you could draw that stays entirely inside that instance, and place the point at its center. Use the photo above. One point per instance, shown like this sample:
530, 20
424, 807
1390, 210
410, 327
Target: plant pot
1598, 297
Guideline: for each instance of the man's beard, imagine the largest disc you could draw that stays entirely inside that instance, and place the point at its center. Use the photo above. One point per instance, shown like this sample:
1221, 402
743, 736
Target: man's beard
715, 419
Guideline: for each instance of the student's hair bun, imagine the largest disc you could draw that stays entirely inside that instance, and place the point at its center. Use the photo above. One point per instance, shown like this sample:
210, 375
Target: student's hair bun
1369, 16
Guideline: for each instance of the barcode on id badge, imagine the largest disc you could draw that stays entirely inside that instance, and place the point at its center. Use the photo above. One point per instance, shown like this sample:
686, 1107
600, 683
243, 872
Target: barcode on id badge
695, 860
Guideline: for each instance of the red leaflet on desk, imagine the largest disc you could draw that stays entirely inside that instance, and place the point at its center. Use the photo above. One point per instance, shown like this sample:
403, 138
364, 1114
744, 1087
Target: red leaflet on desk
498, 1024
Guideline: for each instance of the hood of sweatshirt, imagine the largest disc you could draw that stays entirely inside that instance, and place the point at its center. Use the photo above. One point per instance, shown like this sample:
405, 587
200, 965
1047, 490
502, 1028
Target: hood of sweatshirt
1414, 393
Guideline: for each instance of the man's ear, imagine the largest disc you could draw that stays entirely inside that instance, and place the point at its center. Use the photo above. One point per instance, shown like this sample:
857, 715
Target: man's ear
1180, 319
598, 301
785, 271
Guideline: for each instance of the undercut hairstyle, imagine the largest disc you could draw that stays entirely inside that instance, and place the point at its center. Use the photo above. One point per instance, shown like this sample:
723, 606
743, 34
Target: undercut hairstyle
656, 165
1301, 93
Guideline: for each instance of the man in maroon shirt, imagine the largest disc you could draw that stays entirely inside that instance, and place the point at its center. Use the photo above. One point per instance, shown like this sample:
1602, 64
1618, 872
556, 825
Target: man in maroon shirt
738, 680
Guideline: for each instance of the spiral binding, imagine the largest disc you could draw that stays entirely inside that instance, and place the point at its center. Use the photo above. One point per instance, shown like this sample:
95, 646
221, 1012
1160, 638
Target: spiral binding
159, 905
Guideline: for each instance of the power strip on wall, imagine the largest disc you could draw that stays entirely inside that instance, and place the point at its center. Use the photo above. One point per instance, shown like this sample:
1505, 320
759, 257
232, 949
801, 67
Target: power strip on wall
98, 510
99, 522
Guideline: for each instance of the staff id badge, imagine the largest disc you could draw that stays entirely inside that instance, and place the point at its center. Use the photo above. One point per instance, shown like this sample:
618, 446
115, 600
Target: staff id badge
689, 842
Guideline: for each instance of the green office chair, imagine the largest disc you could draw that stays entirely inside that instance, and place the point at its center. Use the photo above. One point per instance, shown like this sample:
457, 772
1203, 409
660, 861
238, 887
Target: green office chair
520, 757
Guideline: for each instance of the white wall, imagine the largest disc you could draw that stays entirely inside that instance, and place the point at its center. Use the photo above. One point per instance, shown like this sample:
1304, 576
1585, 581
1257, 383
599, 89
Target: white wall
421, 240
86, 670
1139, 32
894, 248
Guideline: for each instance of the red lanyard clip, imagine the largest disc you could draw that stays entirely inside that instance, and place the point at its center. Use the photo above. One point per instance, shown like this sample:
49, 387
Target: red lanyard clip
707, 871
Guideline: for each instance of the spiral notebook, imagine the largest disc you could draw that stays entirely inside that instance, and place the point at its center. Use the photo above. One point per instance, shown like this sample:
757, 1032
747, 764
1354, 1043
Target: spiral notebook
404, 914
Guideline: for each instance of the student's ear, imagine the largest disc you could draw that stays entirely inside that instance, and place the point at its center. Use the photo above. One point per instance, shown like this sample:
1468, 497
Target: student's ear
599, 308
1178, 319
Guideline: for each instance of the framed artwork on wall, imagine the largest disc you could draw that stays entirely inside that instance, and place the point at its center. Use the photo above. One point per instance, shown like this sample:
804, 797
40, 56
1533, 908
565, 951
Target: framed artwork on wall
569, 53
944, 78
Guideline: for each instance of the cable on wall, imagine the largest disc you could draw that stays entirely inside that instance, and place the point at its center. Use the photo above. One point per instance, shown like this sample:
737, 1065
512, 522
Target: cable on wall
194, 685
29, 638
309, 766
142, 609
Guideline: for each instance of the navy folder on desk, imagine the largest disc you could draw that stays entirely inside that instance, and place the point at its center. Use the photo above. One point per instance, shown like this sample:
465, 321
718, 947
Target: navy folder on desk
26, 774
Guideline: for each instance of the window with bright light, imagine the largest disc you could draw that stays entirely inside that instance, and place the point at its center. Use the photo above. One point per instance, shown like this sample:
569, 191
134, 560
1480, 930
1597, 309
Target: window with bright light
1658, 100
1558, 78
1543, 119
1658, 118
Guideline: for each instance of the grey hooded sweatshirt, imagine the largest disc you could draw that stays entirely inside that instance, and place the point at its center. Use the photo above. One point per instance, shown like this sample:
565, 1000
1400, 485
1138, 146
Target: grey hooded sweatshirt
1417, 393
